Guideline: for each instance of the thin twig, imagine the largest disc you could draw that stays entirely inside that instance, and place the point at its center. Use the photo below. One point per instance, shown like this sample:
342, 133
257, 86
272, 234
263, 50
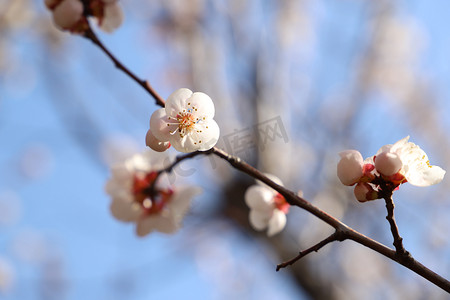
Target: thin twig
169, 168
90, 34
387, 188
334, 237
398, 240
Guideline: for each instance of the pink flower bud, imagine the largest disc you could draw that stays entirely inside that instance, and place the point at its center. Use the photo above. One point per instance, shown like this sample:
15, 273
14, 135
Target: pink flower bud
350, 167
155, 144
68, 13
388, 163
365, 192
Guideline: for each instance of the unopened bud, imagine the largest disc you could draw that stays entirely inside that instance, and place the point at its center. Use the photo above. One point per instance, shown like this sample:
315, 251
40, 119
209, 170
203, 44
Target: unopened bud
350, 167
365, 192
68, 13
388, 163
155, 144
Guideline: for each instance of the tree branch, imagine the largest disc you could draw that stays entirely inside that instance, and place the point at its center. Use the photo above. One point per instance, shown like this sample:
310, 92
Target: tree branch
398, 240
90, 34
342, 230
169, 168
346, 231
337, 235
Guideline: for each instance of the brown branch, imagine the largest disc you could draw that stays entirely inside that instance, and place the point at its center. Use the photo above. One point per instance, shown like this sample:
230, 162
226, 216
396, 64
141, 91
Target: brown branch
345, 231
398, 240
336, 236
169, 168
182, 157
90, 34
342, 230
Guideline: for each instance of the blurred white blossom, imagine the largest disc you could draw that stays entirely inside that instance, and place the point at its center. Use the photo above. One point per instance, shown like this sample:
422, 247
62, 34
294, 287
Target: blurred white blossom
268, 208
136, 198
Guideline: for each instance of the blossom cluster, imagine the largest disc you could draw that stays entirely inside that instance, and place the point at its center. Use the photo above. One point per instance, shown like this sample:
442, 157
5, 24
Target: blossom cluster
268, 208
71, 14
186, 122
392, 165
137, 198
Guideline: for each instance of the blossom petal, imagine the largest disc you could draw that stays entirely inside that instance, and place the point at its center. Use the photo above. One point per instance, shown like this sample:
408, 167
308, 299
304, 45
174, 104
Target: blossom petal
181, 201
155, 144
259, 198
259, 220
400, 144
425, 175
159, 223
138, 163
203, 138
176, 102
416, 166
202, 105
159, 125
276, 223
124, 210
210, 134
113, 17
394, 147
120, 172
181, 144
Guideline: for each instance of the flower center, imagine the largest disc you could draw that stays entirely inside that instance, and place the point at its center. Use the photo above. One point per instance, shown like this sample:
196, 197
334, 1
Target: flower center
280, 203
186, 122
151, 201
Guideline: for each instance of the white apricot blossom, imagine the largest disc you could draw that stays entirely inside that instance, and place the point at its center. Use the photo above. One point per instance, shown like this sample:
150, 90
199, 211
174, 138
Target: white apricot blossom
135, 197
186, 122
268, 208
408, 160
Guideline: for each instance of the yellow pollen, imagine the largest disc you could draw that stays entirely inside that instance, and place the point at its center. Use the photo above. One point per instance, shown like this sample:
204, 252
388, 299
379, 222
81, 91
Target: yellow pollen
186, 123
